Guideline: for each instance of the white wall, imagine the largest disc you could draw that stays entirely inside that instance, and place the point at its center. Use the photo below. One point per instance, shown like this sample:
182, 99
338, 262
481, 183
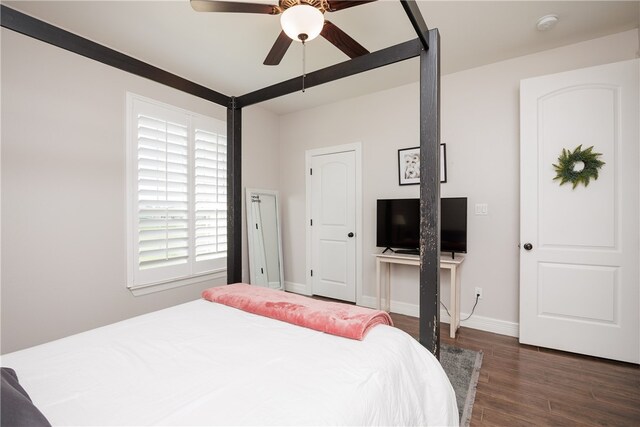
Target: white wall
63, 190
480, 125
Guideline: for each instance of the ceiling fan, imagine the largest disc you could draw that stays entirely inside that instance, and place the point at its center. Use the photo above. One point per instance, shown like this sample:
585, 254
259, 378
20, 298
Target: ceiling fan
301, 20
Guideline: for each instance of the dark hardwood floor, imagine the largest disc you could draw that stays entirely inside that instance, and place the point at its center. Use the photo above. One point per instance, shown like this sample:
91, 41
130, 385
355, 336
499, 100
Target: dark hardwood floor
522, 385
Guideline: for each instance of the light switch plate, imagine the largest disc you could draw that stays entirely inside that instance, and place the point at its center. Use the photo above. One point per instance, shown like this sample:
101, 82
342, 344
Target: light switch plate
482, 209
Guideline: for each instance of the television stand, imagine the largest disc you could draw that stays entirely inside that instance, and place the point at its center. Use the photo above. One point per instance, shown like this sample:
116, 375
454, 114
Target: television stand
445, 263
407, 251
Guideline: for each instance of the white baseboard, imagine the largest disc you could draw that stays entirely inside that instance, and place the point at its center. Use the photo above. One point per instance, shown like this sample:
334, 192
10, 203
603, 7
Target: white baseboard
298, 288
497, 326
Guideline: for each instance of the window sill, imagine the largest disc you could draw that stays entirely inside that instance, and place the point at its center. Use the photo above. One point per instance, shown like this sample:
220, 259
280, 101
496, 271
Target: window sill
194, 280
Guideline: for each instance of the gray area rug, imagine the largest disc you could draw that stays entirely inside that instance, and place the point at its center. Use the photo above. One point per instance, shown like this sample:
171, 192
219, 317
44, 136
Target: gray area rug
463, 368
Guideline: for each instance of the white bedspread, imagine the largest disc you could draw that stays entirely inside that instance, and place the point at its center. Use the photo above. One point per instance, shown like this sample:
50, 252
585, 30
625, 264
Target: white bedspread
202, 363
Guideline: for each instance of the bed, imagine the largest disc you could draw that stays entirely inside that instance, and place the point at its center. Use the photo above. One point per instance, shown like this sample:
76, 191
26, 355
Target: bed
203, 363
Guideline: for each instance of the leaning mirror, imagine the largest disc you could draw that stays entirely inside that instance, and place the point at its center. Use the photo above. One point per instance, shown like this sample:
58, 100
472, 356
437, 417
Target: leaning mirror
263, 233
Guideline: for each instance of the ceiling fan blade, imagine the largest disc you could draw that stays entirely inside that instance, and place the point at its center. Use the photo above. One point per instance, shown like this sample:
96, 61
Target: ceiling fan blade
232, 6
278, 50
342, 41
344, 4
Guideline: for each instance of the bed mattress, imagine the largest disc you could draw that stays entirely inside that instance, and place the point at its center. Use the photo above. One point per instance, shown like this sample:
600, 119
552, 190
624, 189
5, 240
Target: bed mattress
203, 363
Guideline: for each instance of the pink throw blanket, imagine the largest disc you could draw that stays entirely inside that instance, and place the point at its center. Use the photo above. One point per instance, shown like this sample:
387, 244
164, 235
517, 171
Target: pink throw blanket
344, 320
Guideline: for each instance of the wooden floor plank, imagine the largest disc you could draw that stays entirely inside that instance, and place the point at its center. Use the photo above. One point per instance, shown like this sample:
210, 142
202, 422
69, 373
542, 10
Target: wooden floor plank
519, 411
531, 400
491, 417
608, 416
616, 396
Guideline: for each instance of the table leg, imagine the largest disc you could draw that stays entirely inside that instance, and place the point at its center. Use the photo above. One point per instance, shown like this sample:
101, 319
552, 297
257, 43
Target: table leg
457, 299
388, 289
455, 309
378, 303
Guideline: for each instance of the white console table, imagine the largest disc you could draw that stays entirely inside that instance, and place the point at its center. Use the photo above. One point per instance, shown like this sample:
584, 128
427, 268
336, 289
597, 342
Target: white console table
446, 262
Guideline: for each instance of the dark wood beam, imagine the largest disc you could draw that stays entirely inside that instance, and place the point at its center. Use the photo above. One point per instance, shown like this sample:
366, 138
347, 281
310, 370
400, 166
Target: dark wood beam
234, 193
430, 195
415, 16
40, 30
390, 55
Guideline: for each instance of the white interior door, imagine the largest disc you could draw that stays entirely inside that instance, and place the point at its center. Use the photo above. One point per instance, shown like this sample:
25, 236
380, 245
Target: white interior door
333, 225
579, 281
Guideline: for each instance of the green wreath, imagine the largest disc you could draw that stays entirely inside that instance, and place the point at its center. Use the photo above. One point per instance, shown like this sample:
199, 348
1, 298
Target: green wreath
568, 159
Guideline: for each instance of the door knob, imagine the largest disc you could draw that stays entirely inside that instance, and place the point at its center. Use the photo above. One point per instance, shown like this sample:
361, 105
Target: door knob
528, 246
350, 234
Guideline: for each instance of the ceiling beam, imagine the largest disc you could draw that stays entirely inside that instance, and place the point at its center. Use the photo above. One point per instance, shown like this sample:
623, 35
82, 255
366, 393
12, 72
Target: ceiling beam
415, 16
40, 30
370, 61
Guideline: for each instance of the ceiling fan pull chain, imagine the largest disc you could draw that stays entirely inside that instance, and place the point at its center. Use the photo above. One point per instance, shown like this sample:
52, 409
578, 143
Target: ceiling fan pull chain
304, 63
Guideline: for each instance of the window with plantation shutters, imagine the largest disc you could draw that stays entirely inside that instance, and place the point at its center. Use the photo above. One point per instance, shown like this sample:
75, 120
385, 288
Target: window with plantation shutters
177, 194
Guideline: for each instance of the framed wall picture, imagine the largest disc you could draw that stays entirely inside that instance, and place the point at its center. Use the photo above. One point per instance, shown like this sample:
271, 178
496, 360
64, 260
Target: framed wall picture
443, 163
409, 165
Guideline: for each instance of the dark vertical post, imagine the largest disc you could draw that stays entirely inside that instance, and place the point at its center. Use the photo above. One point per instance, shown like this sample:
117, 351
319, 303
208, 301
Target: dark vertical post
430, 195
234, 193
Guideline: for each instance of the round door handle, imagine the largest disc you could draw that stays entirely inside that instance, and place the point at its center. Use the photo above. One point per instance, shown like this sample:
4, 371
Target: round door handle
351, 234
528, 246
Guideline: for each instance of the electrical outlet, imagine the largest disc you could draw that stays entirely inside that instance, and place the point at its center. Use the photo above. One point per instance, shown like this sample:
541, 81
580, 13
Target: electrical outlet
479, 293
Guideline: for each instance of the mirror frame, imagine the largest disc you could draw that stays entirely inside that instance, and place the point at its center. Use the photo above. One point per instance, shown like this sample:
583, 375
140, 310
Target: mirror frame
250, 232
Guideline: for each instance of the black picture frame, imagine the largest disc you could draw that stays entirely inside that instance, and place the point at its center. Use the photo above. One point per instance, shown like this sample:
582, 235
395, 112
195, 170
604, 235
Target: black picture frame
443, 163
409, 165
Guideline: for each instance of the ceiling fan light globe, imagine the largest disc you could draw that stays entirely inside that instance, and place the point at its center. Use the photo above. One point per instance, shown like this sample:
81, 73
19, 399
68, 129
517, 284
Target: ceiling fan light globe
302, 19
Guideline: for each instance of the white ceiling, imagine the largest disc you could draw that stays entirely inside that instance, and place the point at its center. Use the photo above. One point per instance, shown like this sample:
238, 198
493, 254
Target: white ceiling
225, 51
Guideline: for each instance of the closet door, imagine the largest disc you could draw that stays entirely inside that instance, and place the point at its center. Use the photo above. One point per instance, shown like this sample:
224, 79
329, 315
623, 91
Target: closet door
333, 233
579, 255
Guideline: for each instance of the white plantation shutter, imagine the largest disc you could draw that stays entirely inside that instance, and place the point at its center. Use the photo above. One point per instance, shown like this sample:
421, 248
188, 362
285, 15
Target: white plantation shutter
163, 193
178, 193
210, 195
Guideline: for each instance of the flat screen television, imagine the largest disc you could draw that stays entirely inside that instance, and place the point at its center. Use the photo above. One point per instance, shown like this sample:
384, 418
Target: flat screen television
398, 224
